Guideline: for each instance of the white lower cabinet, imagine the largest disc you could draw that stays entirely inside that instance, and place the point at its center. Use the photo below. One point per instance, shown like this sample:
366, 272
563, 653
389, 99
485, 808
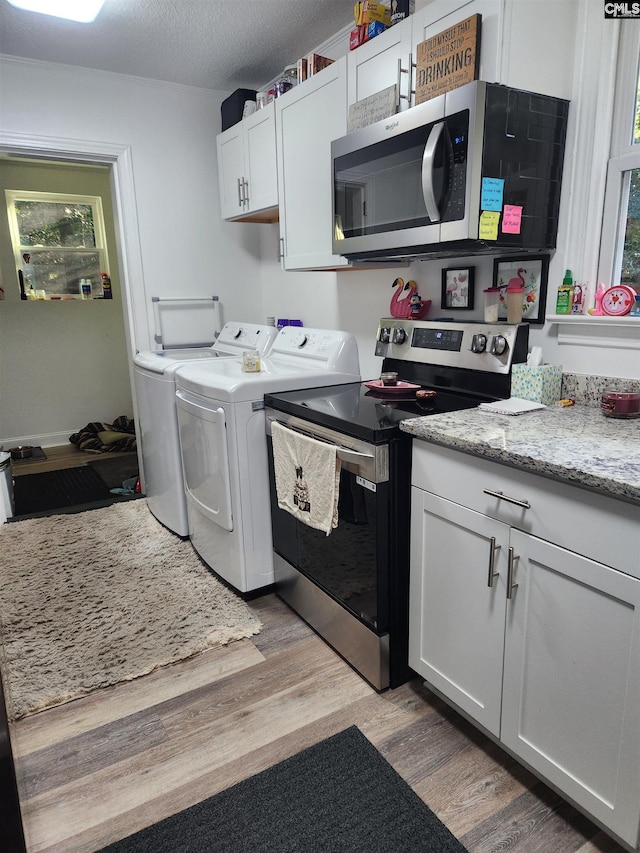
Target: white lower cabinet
537, 643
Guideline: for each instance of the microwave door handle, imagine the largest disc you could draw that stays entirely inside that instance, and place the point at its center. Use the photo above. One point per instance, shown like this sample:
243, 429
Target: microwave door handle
428, 159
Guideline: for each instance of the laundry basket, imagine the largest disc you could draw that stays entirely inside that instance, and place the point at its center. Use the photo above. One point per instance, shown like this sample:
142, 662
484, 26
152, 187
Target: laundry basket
7, 506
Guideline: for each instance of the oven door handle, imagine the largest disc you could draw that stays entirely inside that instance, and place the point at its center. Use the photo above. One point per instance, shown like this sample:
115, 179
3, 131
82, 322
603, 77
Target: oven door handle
345, 455
371, 460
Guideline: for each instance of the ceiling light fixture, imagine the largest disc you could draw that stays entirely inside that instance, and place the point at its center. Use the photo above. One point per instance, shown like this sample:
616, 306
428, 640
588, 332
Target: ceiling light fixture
84, 11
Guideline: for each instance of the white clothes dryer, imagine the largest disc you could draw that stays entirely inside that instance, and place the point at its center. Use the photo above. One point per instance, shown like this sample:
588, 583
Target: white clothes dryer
154, 377
224, 447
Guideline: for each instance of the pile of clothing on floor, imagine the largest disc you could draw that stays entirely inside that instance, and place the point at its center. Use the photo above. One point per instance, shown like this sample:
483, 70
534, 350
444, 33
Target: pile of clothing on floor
99, 437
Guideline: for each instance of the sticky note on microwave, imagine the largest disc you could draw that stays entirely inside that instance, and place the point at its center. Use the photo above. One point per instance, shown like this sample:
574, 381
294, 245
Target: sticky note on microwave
489, 220
492, 194
511, 219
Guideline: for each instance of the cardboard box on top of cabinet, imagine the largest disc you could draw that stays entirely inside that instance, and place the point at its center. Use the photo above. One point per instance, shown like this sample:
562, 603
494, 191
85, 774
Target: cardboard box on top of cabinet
541, 384
367, 13
400, 9
364, 33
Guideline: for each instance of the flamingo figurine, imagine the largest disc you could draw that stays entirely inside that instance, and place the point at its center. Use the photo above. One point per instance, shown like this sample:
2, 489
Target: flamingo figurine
410, 306
400, 305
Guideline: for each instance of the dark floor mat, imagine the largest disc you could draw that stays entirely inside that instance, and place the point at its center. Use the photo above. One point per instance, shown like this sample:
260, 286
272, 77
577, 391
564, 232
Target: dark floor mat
56, 489
114, 469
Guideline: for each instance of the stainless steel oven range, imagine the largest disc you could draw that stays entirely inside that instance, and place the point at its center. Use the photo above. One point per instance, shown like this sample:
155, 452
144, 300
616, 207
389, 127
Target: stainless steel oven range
352, 586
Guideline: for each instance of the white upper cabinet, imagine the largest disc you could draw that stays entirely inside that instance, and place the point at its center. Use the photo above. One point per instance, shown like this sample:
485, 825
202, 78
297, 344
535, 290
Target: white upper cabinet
538, 51
376, 65
436, 17
247, 170
522, 44
307, 118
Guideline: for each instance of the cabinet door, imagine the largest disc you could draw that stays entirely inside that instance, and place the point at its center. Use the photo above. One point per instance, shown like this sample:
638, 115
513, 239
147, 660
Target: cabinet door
374, 65
230, 145
571, 702
307, 119
436, 17
260, 159
456, 619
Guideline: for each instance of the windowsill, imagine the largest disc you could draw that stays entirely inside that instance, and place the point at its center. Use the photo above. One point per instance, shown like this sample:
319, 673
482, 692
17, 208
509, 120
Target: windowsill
591, 320
587, 330
67, 298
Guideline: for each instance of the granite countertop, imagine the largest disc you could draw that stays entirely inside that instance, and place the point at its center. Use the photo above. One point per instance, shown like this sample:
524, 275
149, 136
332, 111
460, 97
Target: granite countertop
577, 444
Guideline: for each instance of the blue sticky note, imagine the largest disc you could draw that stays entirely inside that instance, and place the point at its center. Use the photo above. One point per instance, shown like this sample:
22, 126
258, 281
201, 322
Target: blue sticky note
492, 193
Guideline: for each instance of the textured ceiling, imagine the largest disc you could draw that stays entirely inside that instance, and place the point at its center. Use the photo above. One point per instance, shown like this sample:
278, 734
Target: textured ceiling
216, 45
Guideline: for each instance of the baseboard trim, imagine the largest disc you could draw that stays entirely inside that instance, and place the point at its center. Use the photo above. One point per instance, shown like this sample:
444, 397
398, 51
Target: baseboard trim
50, 439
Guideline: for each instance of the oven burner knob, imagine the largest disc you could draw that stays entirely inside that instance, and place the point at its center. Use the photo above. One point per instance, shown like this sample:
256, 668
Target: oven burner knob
385, 335
478, 343
499, 345
399, 336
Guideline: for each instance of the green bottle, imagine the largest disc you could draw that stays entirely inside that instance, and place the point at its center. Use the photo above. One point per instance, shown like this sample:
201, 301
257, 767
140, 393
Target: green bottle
565, 294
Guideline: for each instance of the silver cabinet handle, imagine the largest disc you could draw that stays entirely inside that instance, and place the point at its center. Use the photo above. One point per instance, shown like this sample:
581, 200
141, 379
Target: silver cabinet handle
512, 564
281, 249
410, 90
245, 193
240, 199
493, 550
428, 159
503, 497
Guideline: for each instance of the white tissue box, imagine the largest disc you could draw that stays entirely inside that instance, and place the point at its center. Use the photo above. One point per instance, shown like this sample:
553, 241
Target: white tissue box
541, 384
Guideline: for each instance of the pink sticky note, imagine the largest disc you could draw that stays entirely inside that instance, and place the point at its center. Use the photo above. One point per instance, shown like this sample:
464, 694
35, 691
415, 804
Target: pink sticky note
511, 219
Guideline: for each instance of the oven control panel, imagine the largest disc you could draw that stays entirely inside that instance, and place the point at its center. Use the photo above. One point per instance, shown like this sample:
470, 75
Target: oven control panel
489, 347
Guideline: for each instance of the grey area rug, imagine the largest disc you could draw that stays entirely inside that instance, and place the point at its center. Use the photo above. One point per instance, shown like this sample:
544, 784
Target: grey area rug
99, 597
339, 796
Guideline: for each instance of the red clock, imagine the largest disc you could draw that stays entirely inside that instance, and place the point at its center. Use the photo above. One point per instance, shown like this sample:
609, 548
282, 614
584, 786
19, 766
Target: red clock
618, 300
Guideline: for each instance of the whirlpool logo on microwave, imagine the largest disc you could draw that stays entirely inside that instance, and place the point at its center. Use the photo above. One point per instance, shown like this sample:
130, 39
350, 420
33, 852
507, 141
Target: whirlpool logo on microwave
621, 10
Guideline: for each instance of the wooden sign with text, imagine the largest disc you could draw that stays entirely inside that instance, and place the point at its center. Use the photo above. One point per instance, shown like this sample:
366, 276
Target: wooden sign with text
448, 60
369, 110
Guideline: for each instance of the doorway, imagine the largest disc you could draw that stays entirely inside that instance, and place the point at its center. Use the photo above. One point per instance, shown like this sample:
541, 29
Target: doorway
126, 260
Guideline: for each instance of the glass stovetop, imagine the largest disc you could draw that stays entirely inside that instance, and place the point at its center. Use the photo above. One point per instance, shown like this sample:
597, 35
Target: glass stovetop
356, 410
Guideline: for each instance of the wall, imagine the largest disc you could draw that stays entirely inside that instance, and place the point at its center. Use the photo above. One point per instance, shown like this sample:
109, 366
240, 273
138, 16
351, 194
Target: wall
170, 131
185, 248
62, 364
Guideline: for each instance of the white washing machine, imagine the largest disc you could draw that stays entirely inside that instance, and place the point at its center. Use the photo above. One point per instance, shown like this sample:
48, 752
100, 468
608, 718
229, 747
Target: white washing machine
154, 376
224, 447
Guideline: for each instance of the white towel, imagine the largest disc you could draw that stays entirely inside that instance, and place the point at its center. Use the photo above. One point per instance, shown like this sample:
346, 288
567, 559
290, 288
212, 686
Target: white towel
307, 477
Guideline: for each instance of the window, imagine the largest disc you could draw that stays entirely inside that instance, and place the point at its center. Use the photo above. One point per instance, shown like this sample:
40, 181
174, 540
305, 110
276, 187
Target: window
620, 249
58, 242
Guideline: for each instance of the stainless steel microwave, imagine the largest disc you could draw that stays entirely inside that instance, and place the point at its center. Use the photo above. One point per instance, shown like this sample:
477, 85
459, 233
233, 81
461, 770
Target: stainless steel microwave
473, 171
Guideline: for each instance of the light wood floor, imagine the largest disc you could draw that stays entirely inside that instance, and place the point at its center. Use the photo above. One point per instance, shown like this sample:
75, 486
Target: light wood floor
63, 456
102, 767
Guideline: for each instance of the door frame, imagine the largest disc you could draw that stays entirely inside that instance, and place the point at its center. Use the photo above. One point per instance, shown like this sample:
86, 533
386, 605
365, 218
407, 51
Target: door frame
137, 332
129, 254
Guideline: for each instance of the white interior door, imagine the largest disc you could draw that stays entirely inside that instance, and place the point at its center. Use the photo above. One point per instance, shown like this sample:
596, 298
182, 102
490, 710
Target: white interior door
205, 459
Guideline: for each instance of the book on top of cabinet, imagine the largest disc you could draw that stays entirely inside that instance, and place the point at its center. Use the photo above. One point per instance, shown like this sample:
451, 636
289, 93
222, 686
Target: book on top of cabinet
316, 62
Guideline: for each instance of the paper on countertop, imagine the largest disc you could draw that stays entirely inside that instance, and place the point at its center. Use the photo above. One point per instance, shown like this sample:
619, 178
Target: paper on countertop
512, 406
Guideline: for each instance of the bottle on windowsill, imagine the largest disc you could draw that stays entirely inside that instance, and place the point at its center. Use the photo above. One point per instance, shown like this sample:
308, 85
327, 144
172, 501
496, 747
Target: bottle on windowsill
106, 286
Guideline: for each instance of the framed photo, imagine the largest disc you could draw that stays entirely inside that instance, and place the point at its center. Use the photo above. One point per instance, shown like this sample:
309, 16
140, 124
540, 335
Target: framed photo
531, 272
457, 288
